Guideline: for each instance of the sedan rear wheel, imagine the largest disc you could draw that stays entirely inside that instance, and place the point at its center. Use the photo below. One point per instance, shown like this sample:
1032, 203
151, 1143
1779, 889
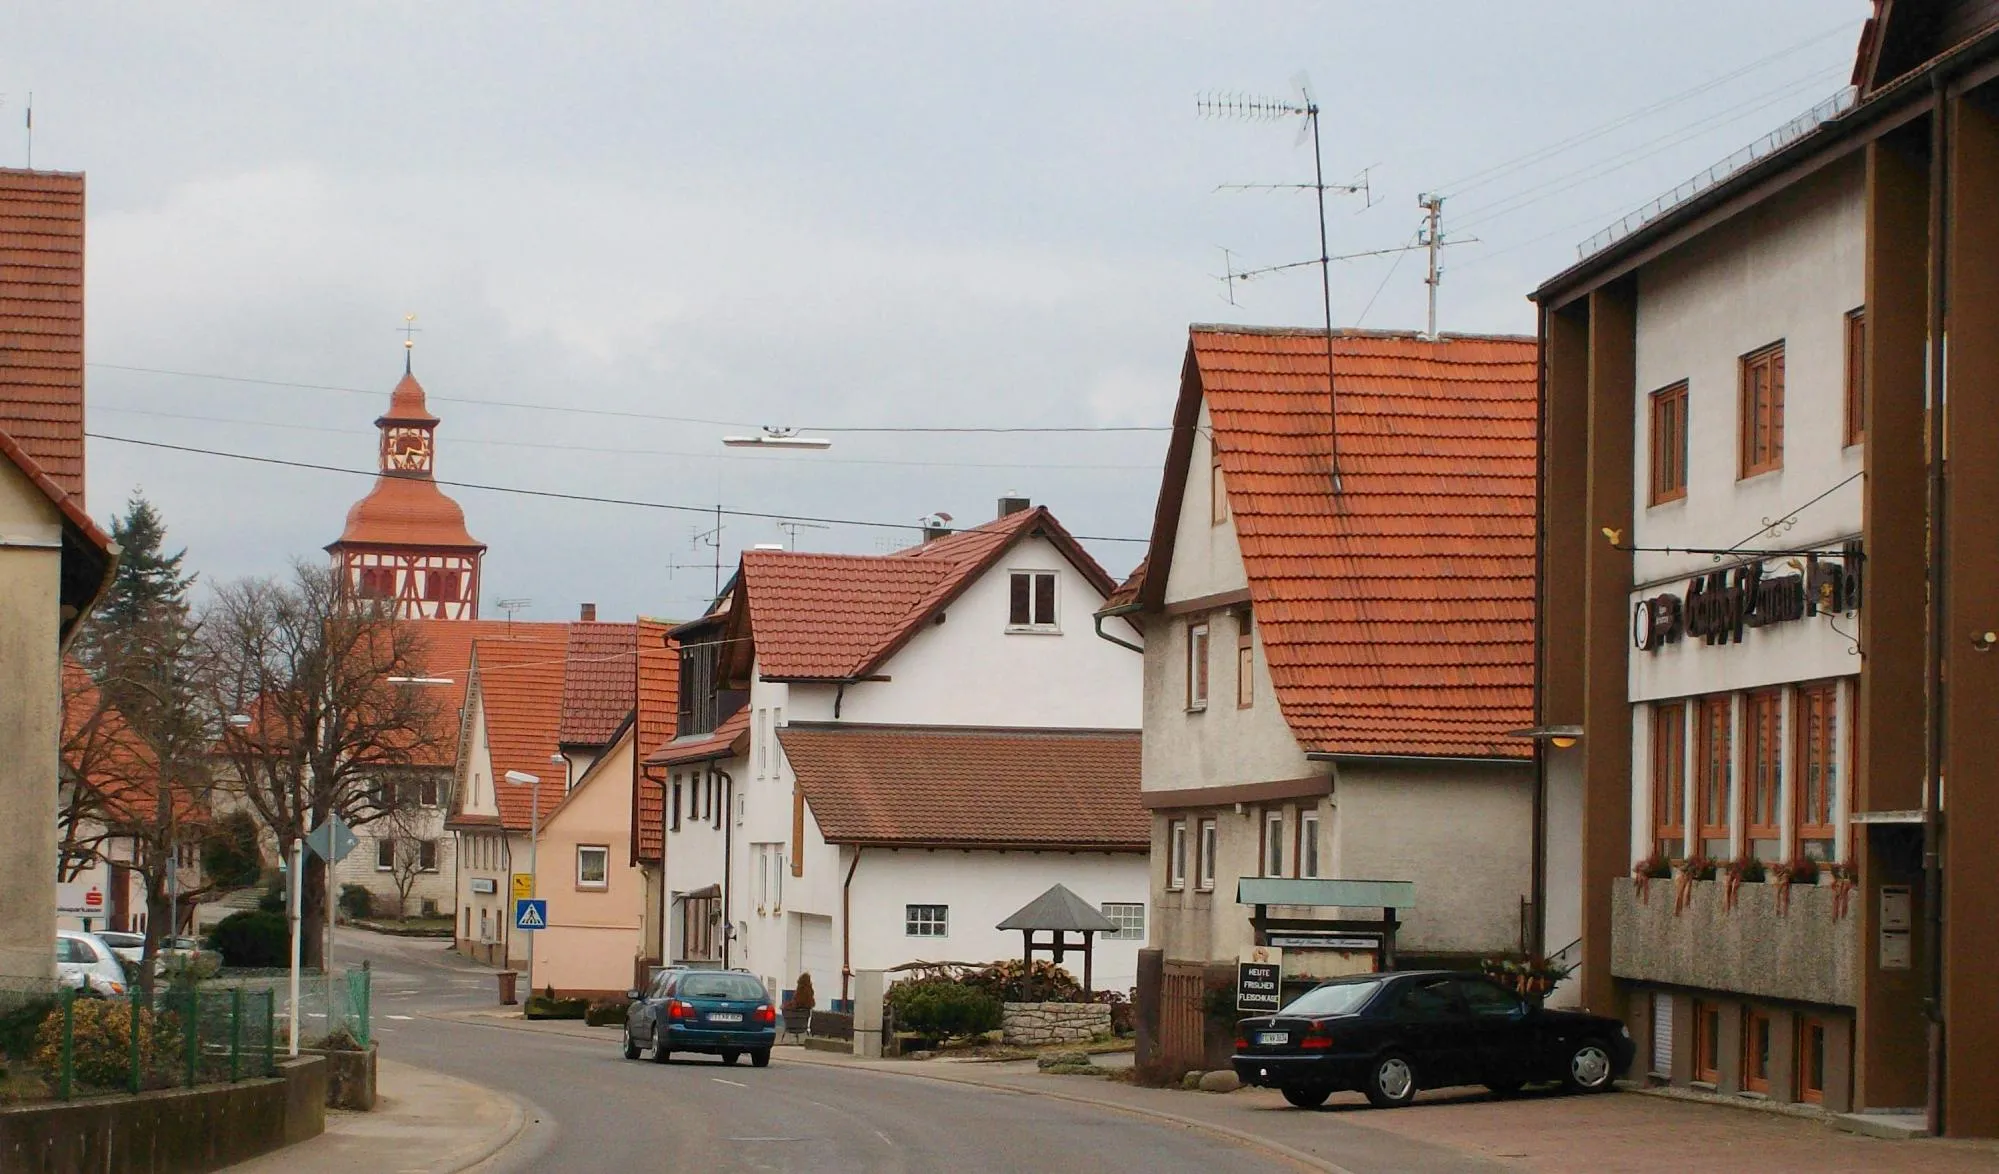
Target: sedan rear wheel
1391, 1083
1590, 1068
660, 1052
1306, 1096
760, 1058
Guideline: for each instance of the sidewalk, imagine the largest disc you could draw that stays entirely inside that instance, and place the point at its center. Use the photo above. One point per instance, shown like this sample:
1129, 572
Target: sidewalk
423, 1121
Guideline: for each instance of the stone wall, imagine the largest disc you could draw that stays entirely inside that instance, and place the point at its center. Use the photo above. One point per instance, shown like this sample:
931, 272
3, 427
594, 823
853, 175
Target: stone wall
1803, 953
1034, 1024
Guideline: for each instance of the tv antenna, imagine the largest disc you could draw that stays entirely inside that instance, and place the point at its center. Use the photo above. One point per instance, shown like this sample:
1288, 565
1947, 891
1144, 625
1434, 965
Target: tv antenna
1305, 108
510, 606
791, 530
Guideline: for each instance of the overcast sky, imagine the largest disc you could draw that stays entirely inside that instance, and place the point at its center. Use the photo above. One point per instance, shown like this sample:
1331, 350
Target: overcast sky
817, 215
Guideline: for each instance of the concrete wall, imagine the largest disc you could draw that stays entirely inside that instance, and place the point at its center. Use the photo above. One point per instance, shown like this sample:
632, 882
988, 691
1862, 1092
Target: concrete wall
594, 933
30, 725
1804, 953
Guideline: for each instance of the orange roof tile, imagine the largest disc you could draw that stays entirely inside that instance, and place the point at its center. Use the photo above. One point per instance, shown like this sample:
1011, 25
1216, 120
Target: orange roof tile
101, 751
725, 741
41, 321
520, 690
406, 510
447, 654
600, 686
1398, 617
406, 404
833, 616
1127, 591
933, 785
658, 715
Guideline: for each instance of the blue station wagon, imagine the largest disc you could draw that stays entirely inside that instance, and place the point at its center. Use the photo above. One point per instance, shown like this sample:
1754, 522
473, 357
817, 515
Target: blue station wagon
717, 1012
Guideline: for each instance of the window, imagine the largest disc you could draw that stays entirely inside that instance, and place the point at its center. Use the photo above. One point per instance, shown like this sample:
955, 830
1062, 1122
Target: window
926, 921
440, 586
1762, 418
593, 866
1273, 843
1245, 661
1308, 844
1815, 790
426, 855
1207, 861
1856, 376
1707, 1042
1197, 665
385, 855
1176, 854
1755, 1050
1427, 1001
1489, 1000
1713, 771
1130, 919
385, 794
377, 582
427, 792
1669, 443
762, 747
1218, 494
1032, 603
1811, 1059
1763, 724
1669, 779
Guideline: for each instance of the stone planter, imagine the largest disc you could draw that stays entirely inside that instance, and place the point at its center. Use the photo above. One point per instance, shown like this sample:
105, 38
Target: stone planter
350, 1078
1032, 1025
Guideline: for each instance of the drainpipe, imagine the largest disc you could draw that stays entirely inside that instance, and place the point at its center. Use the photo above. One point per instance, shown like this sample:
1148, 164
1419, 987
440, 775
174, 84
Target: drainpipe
1933, 652
1121, 610
847, 928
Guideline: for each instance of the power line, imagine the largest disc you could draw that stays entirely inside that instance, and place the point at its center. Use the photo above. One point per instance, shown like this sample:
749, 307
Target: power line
557, 495
570, 410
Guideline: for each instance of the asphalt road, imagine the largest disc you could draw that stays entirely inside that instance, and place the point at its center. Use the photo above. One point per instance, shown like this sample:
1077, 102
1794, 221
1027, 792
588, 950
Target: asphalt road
592, 1110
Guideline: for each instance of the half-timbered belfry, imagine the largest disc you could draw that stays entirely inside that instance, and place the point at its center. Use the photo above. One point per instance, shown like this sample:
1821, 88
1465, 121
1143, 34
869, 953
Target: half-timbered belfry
406, 541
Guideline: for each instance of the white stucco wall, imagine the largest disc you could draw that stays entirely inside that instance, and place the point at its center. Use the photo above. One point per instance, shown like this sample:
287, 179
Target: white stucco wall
30, 724
1206, 557
1223, 744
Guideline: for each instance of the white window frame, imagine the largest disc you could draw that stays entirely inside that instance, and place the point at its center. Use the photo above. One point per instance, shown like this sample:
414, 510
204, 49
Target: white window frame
1198, 656
1208, 848
388, 842
1308, 844
436, 855
1273, 843
1176, 854
1130, 919
918, 921
603, 851
1035, 623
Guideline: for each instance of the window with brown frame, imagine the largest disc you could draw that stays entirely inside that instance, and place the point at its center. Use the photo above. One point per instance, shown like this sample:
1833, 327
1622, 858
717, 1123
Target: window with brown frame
1763, 725
1762, 411
1755, 1050
1197, 665
1815, 790
1669, 779
1810, 1052
1245, 662
1218, 494
1856, 376
1669, 443
1713, 768
1707, 1042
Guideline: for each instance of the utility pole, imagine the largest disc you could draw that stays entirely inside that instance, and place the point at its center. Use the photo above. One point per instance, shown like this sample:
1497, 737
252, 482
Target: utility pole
1432, 239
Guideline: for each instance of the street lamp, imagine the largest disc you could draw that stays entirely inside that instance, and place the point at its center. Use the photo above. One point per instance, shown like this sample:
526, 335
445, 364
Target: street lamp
524, 779
421, 681
777, 438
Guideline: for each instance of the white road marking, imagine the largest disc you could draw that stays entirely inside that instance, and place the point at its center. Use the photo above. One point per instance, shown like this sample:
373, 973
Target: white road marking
730, 1083
402, 1018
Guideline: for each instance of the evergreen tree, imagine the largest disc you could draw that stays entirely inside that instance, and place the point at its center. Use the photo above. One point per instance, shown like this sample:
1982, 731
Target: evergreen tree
148, 577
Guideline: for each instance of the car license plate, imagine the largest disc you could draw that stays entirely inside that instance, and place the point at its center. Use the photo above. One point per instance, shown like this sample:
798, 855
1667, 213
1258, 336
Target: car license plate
725, 1017
1273, 1037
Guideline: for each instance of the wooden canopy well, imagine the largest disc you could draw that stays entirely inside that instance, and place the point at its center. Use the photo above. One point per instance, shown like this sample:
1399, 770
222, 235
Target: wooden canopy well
1059, 913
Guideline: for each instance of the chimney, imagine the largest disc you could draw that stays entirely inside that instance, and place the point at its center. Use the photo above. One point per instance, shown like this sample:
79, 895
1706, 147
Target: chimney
589, 615
1012, 504
937, 525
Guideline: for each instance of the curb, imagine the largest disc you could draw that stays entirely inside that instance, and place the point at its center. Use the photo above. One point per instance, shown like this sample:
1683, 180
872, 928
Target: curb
517, 1122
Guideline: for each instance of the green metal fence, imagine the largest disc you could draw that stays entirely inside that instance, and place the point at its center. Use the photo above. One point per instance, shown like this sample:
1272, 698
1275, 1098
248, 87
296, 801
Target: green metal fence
59, 1043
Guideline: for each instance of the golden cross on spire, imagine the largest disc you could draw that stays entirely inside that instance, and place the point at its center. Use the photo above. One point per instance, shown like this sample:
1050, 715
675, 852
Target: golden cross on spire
410, 330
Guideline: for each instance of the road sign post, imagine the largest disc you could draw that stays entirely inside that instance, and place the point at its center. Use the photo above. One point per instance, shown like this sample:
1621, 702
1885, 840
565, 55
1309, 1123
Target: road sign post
331, 841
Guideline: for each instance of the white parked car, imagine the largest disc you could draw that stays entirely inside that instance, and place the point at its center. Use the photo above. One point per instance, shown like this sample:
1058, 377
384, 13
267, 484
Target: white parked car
130, 947
83, 961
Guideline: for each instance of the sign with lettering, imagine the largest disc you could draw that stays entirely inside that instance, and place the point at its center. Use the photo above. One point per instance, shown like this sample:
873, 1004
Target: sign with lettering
1718, 606
523, 885
1259, 981
79, 900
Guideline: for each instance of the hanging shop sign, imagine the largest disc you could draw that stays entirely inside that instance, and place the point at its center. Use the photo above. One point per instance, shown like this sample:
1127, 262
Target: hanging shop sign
1718, 606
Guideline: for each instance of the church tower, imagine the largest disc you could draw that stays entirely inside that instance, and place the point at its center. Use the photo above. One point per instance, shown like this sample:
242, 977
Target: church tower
406, 541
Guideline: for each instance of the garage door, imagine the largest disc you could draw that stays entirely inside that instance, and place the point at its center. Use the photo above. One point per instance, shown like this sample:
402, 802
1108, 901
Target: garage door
816, 957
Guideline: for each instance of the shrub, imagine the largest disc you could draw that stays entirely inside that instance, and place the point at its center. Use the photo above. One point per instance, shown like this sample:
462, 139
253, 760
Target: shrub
803, 997
253, 939
273, 900
101, 1032
356, 901
547, 1006
229, 855
19, 1023
941, 1008
606, 1013
338, 1040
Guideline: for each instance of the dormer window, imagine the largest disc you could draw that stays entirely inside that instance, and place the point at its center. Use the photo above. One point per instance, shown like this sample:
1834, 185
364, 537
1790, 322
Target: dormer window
1031, 606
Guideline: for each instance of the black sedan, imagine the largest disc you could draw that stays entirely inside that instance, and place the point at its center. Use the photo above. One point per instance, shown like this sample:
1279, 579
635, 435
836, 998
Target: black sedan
1388, 1035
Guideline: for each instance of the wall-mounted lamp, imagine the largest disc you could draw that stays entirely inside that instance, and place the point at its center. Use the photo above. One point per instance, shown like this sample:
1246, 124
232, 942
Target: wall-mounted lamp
1983, 641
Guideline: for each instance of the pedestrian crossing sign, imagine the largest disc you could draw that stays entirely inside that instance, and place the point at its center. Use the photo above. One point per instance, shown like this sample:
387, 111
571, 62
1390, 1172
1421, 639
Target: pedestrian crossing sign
531, 913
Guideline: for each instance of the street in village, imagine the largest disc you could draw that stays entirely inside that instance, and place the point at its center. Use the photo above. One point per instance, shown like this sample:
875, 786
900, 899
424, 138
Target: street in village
576, 1105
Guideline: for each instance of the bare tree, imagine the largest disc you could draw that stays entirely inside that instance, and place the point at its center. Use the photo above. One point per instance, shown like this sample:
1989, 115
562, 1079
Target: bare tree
311, 667
405, 824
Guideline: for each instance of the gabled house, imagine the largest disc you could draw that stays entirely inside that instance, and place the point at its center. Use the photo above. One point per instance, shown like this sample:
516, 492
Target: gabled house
881, 757
1338, 659
54, 561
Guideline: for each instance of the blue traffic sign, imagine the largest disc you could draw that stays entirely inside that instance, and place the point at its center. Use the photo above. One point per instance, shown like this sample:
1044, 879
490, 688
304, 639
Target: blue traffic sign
531, 913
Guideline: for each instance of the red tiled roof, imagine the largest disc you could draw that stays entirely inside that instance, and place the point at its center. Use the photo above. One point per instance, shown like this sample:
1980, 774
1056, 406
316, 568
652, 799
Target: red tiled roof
41, 322
832, 616
658, 714
600, 686
1127, 591
406, 508
1057, 789
406, 404
102, 752
726, 741
1397, 618
447, 654
67, 504
520, 690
